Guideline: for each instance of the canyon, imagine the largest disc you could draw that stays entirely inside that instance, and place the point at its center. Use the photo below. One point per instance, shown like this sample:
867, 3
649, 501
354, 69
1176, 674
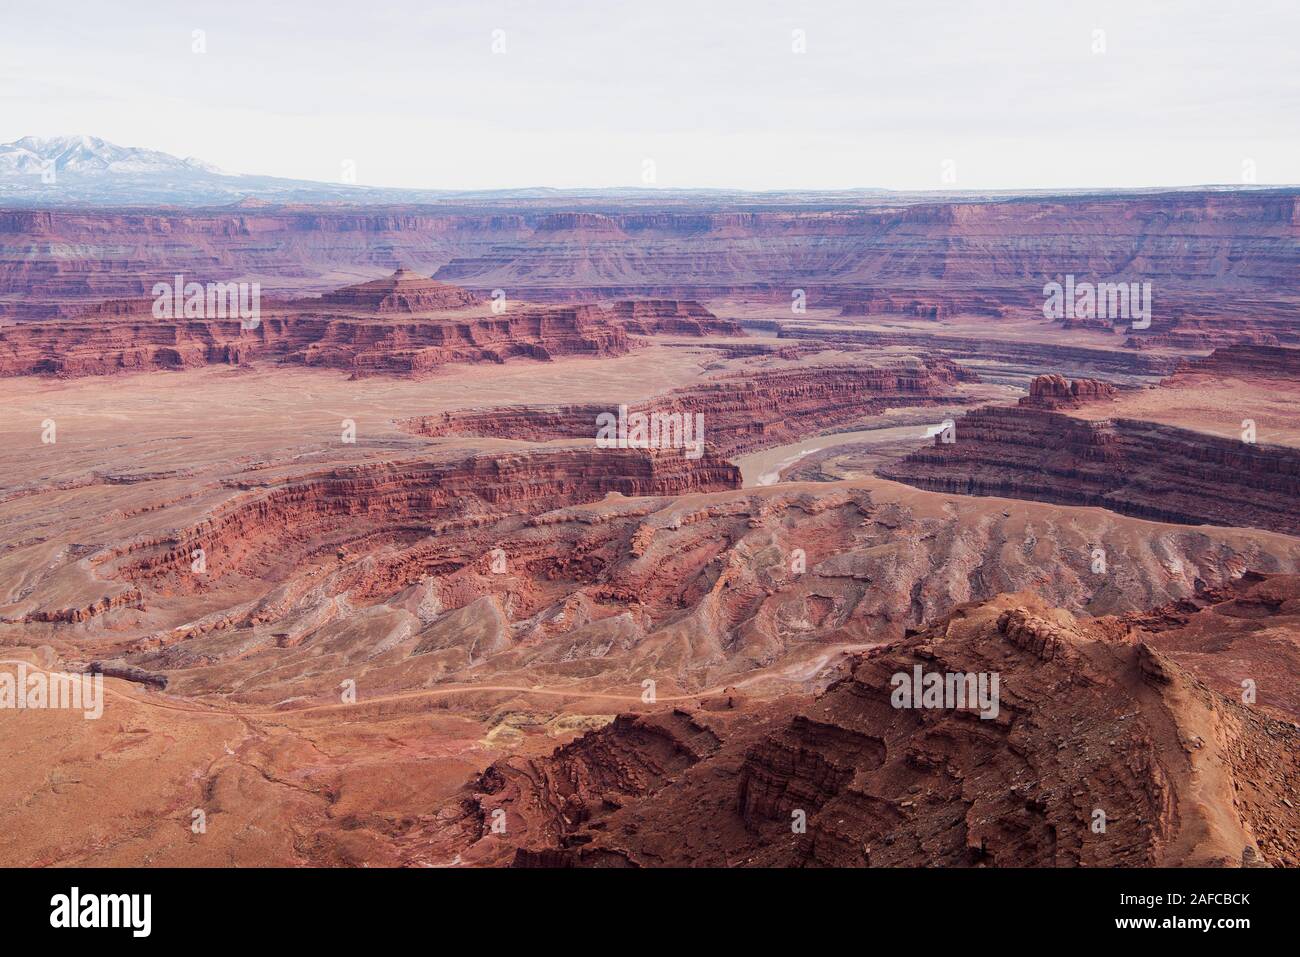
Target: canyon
365, 585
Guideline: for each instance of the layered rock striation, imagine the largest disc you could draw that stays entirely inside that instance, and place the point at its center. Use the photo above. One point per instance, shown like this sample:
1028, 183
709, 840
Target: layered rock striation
1228, 242
402, 325
392, 501
1058, 392
742, 412
671, 317
1131, 466
1245, 361
1086, 747
402, 293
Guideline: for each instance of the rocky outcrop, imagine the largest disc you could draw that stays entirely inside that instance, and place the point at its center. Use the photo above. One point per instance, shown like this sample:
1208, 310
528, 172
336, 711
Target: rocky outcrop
1239, 637
1127, 465
420, 346
363, 346
1198, 341
1246, 361
937, 304
402, 293
1074, 743
551, 798
742, 412
671, 317
317, 514
400, 325
1196, 324
128, 673
1058, 392
1100, 753
1018, 358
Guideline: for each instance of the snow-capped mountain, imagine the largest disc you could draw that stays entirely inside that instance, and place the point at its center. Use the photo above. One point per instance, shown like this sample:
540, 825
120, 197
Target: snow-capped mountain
88, 154
87, 170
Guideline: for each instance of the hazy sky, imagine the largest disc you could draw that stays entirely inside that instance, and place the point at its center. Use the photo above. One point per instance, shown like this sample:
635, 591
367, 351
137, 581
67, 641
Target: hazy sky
887, 94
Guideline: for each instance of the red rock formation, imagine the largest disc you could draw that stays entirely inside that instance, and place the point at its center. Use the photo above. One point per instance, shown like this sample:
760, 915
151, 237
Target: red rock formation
1229, 243
397, 325
935, 304
885, 786
1194, 325
408, 346
554, 797
1239, 637
687, 591
418, 345
403, 293
1089, 725
318, 512
1058, 392
743, 412
1193, 341
127, 673
1246, 361
966, 245
1127, 465
671, 317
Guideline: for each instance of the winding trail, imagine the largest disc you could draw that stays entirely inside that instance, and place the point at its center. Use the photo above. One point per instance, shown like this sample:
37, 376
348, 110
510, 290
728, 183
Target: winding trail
797, 672
157, 700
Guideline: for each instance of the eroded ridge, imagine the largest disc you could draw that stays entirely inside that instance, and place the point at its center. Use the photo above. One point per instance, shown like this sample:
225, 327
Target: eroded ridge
402, 325
1103, 752
1041, 450
743, 411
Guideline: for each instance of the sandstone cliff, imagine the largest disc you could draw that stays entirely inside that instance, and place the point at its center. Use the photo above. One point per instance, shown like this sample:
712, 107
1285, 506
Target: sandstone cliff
1102, 752
1126, 465
742, 411
1228, 243
671, 316
409, 345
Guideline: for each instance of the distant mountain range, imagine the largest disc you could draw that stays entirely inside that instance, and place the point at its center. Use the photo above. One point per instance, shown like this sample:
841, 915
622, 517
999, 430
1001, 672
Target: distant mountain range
86, 170
89, 171
88, 155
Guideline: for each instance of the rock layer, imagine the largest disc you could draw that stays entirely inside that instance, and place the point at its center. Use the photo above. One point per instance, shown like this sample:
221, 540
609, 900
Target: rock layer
1058, 392
318, 513
1126, 465
1102, 752
1246, 361
1225, 242
671, 317
742, 412
405, 346
404, 292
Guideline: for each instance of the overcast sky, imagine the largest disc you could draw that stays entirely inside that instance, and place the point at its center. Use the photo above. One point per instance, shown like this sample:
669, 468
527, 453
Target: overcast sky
887, 94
